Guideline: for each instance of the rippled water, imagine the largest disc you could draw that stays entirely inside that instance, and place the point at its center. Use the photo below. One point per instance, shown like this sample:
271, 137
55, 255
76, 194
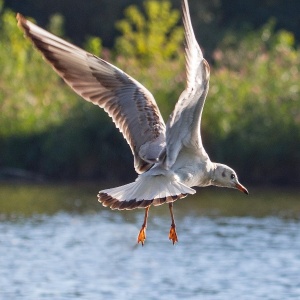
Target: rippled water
91, 254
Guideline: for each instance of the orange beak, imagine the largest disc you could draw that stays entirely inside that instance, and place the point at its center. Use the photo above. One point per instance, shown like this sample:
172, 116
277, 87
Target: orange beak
241, 188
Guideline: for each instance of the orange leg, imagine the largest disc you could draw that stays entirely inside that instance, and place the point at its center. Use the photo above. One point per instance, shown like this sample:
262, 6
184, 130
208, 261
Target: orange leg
172, 234
142, 234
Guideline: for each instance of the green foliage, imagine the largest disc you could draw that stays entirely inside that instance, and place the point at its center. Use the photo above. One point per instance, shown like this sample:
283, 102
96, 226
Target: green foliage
211, 18
56, 25
150, 50
251, 119
44, 126
32, 97
254, 105
93, 45
150, 37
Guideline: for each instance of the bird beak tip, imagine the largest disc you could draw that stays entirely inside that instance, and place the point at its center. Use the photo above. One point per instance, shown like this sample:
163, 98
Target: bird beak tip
242, 188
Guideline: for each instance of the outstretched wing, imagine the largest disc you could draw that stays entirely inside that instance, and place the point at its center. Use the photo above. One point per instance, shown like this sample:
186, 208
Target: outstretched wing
131, 106
183, 127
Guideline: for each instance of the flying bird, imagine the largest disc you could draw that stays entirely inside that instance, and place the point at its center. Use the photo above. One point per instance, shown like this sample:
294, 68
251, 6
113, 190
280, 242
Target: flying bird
169, 158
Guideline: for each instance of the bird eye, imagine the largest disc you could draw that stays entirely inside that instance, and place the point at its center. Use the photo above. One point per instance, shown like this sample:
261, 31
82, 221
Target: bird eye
232, 176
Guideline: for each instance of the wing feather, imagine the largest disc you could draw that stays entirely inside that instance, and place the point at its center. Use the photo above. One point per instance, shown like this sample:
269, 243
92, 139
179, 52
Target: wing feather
131, 106
183, 127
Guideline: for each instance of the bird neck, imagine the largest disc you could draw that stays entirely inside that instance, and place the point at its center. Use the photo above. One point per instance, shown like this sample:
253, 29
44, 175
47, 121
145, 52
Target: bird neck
214, 171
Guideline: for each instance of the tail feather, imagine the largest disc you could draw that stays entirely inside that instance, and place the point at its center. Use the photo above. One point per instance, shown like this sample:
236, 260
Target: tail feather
145, 191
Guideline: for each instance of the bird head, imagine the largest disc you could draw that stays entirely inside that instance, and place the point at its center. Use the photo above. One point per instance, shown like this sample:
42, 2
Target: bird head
224, 176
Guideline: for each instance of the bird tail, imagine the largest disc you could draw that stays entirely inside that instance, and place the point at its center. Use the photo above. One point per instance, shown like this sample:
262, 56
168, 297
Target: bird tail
145, 191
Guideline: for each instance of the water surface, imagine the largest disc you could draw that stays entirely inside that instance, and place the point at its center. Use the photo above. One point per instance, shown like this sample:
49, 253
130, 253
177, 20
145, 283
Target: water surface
57, 242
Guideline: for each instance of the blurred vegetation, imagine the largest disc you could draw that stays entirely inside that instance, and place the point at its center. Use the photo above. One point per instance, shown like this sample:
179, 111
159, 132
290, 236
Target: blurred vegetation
255, 105
150, 50
44, 126
211, 18
251, 119
28, 86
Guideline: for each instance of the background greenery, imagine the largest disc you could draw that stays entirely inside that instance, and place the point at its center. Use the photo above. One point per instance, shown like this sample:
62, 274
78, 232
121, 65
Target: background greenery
252, 115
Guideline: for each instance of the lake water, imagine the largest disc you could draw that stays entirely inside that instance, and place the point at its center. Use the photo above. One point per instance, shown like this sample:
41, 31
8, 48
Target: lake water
57, 242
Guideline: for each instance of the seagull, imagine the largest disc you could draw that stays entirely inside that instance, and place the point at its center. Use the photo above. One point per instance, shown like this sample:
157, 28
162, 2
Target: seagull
170, 158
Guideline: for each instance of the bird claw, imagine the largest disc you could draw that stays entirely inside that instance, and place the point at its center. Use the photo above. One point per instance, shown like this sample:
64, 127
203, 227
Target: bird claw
142, 236
173, 235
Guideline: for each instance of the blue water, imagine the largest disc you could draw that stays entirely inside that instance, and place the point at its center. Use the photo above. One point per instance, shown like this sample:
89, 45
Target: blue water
94, 256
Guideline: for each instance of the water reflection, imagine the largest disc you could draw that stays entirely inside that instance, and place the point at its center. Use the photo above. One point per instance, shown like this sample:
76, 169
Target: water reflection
65, 246
17, 201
